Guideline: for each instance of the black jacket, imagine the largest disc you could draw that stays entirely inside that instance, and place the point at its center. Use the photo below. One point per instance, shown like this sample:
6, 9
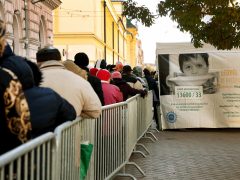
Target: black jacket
126, 89
97, 86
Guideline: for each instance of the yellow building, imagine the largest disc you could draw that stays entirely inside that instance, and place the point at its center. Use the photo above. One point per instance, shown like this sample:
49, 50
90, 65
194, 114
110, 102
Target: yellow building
95, 27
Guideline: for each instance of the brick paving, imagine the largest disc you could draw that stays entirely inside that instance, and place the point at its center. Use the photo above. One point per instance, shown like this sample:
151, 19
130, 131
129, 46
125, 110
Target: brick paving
195, 154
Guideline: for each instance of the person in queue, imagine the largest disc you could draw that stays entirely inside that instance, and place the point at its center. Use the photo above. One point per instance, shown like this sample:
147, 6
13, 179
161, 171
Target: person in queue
81, 60
111, 93
76, 90
124, 87
15, 124
45, 118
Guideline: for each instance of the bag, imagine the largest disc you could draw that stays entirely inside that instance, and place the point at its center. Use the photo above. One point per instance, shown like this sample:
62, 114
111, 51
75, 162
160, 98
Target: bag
86, 152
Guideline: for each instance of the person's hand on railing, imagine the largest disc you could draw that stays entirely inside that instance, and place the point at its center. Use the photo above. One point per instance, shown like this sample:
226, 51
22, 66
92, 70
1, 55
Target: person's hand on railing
143, 93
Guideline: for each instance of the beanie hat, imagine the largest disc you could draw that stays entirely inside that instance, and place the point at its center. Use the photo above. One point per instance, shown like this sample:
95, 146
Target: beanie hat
93, 71
116, 74
81, 59
48, 53
127, 68
137, 71
103, 64
103, 74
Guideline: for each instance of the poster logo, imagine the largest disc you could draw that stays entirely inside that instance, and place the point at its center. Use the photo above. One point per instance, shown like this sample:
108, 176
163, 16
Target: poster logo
171, 117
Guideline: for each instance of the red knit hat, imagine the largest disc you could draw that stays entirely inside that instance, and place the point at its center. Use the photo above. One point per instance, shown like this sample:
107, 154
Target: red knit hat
93, 71
103, 74
116, 74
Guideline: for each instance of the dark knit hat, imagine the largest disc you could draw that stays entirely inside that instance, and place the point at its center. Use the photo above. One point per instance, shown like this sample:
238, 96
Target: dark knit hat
81, 59
48, 53
127, 68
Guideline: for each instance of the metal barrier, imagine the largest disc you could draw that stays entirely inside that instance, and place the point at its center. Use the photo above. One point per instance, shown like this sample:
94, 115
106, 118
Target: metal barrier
114, 135
132, 125
68, 150
32, 160
144, 113
110, 141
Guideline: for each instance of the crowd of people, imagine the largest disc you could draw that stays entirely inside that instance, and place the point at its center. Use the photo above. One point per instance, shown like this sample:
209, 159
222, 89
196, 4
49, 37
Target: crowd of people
37, 97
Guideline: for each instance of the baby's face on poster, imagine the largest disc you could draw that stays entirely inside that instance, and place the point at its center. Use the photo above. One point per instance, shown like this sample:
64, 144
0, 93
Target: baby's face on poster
195, 67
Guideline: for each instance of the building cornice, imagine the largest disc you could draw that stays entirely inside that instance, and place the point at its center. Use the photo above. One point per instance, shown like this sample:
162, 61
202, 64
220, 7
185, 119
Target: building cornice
53, 4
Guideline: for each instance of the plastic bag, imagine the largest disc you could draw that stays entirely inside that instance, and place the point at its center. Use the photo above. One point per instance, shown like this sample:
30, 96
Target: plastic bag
86, 152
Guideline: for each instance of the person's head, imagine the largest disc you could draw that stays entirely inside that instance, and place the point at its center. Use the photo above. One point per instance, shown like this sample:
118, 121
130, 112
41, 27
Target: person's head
93, 71
127, 69
81, 59
104, 75
2, 37
48, 53
118, 67
103, 64
116, 75
146, 72
137, 71
194, 64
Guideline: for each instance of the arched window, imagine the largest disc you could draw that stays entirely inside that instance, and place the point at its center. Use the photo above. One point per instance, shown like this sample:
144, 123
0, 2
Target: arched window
16, 34
42, 33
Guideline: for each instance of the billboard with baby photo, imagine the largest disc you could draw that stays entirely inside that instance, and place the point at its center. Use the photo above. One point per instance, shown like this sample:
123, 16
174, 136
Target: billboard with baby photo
199, 87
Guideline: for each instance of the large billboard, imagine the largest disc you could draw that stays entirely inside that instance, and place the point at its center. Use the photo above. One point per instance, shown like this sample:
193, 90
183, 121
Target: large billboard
199, 88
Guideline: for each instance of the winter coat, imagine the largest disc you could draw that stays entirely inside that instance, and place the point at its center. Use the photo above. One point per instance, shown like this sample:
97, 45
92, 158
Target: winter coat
97, 86
111, 93
153, 86
126, 89
72, 87
15, 125
16, 63
132, 81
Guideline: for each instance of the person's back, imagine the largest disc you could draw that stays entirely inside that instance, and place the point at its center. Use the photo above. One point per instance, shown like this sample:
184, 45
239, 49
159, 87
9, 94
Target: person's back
130, 78
139, 73
124, 87
111, 93
15, 125
82, 61
70, 86
48, 109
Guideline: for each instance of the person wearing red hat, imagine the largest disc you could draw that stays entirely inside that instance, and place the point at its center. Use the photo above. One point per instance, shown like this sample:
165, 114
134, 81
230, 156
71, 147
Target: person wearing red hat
118, 67
93, 71
111, 93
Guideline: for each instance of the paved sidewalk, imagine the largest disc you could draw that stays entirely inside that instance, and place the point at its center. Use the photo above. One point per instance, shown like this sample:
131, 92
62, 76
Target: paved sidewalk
196, 154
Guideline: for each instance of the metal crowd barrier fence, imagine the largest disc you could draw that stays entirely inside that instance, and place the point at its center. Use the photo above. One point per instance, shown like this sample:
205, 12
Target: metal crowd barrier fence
68, 150
132, 125
144, 113
57, 156
32, 160
110, 141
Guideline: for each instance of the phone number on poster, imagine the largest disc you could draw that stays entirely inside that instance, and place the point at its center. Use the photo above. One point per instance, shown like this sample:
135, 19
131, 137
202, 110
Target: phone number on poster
194, 94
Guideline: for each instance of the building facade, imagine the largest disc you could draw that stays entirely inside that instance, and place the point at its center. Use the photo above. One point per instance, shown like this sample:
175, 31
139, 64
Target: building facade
29, 24
95, 27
